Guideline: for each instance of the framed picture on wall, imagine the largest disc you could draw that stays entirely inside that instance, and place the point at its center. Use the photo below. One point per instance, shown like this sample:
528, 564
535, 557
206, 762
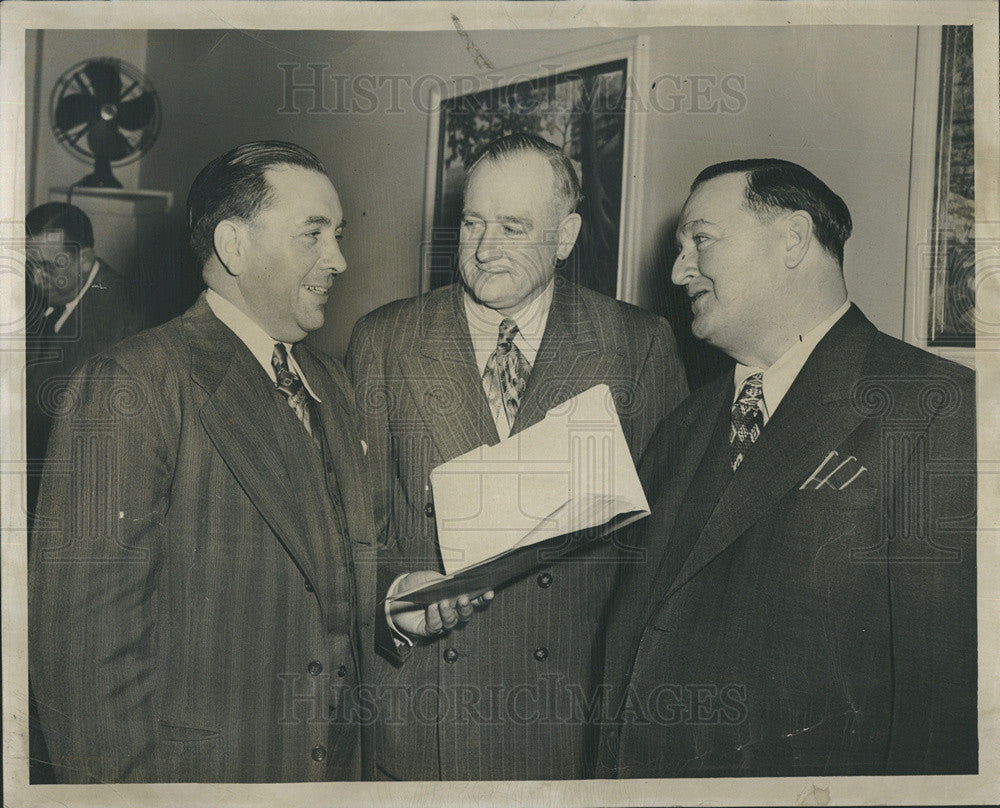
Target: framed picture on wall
953, 276
579, 101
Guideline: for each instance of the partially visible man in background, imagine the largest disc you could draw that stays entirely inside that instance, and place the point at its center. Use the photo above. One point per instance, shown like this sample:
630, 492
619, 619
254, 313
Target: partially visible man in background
466, 365
76, 305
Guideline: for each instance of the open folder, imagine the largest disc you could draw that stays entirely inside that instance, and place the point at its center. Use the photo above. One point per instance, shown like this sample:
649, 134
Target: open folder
506, 509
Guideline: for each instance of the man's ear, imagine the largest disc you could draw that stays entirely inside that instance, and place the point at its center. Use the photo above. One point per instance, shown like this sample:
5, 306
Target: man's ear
228, 240
798, 236
569, 229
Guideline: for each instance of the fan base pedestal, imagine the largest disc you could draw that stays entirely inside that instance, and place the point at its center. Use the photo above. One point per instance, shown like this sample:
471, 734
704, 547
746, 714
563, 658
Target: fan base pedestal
100, 178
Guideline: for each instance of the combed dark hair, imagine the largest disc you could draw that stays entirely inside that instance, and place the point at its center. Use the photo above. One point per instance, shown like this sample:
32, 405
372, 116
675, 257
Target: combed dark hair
233, 186
567, 184
774, 185
74, 223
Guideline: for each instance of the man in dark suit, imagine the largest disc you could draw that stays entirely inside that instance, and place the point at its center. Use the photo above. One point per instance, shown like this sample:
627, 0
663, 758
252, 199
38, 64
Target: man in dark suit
507, 695
806, 604
202, 574
76, 306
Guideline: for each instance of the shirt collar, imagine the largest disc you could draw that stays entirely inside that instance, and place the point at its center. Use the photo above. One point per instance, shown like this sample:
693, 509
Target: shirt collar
484, 325
68, 309
779, 377
257, 340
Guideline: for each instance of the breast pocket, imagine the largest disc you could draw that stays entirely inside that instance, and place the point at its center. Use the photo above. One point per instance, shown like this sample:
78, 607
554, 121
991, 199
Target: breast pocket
189, 754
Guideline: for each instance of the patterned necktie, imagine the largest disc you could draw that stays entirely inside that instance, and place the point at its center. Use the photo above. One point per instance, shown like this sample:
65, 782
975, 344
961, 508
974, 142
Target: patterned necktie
506, 373
289, 383
748, 418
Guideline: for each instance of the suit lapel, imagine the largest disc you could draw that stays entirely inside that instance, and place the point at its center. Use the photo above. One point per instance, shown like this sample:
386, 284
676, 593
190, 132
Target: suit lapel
569, 357
343, 449
443, 377
241, 420
698, 427
815, 416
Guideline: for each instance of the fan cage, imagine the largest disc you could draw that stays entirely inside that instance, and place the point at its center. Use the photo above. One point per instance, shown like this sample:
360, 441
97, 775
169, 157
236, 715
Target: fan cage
141, 84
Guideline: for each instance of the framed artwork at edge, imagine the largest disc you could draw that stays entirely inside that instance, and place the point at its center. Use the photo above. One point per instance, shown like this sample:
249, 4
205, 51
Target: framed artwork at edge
942, 252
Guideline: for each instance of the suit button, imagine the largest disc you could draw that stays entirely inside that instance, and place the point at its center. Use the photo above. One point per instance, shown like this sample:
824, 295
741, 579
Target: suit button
342, 671
318, 753
545, 580
329, 466
314, 668
450, 655
309, 587
429, 510
541, 654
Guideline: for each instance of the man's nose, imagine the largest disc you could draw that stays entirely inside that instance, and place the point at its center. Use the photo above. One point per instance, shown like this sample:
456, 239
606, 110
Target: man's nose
685, 267
333, 257
488, 248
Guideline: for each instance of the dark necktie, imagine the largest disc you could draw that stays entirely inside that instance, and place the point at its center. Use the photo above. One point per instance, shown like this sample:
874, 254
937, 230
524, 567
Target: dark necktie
48, 328
289, 383
748, 418
506, 373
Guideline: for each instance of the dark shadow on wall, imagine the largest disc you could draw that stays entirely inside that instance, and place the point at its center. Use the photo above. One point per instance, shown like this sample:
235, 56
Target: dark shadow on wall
174, 279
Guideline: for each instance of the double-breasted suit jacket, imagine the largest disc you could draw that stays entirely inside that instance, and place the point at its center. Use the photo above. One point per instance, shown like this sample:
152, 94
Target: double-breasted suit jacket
201, 577
814, 612
505, 696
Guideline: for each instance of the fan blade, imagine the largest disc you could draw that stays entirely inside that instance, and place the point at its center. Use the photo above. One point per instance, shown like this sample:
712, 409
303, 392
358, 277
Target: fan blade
72, 110
136, 113
105, 139
105, 80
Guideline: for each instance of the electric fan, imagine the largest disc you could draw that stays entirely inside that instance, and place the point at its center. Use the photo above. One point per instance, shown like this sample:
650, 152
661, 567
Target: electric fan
104, 111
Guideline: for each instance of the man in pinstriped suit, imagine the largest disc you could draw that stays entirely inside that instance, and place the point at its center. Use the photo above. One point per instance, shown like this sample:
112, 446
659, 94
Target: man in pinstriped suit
202, 573
506, 695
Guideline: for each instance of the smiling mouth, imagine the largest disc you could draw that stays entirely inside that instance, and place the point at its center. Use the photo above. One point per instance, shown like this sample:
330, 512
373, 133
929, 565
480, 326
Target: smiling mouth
322, 291
695, 296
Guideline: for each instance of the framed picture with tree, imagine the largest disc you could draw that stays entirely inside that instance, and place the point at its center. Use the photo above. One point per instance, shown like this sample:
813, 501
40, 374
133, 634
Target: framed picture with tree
953, 275
582, 103
942, 251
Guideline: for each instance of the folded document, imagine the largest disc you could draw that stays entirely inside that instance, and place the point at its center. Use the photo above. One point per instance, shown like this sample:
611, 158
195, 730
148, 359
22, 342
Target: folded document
503, 510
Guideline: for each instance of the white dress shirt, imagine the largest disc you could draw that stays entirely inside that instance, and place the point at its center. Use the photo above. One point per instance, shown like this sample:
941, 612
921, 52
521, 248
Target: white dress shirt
68, 310
484, 328
779, 377
257, 340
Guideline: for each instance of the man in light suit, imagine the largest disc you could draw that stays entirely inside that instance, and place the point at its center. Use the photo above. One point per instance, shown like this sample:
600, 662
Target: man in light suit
202, 574
507, 696
806, 605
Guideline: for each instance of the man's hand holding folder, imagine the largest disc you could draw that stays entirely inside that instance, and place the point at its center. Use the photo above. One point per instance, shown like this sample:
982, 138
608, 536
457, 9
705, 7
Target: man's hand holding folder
420, 620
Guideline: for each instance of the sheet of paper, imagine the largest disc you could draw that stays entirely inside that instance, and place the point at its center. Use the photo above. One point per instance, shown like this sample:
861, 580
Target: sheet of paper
570, 472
